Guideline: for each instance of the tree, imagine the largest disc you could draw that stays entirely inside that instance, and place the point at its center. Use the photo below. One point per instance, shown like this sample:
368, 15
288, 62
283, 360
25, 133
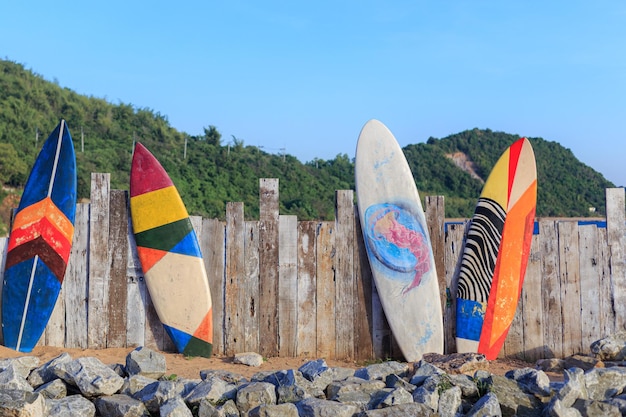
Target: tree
212, 136
13, 170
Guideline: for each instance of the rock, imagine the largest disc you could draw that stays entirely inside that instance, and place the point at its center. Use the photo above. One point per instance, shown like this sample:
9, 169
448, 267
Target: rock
313, 369
450, 403
391, 397
255, 394
154, 395
593, 408
550, 365
119, 405
583, 362
135, 383
382, 370
213, 390
533, 380
514, 401
458, 363
400, 410
248, 358
486, 406
611, 348
603, 383
228, 409
45, 373
428, 392
174, 407
394, 381
227, 376
21, 403
424, 370
317, 407
22, 365
53, 390
145, 362
11, 379
72, 406
90, 376
353, 390
274, 410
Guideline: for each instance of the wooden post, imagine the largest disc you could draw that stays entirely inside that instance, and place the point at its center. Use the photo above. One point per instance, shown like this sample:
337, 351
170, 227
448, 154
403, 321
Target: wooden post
363, 320
287, 285
616, 240
213, 245
435, 218
532, 294
307, 290
235, 261
118, 244
249, 288
268, 267
453, 250
344, 274
552, 309
98, 301
326, 326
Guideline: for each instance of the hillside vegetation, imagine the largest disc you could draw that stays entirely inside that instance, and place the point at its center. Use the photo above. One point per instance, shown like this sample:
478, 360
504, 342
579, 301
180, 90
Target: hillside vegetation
214, 171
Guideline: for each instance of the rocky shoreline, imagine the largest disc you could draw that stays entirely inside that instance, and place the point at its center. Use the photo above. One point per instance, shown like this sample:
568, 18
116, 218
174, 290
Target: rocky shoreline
441, 385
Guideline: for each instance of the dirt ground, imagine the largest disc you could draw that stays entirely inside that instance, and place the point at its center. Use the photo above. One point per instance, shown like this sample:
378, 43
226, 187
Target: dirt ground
185, 367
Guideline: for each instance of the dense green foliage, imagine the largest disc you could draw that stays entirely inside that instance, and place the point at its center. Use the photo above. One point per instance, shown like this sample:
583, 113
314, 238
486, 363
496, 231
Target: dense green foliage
210, 173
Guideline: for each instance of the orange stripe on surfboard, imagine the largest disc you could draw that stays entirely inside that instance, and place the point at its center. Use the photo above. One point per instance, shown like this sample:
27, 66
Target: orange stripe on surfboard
205, 329
149, 257
508, 275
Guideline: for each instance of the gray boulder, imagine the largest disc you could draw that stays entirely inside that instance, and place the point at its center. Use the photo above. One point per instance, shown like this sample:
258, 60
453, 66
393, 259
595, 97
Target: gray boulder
53, 390
72, 406
90, 376
317, 407
611, 348
174, 407
486, 406
119, 405
21, 403
146, 362
45, 373
255, 394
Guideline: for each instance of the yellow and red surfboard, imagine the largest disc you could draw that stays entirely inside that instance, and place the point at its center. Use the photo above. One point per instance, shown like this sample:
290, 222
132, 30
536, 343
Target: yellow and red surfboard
170, 256
495, 254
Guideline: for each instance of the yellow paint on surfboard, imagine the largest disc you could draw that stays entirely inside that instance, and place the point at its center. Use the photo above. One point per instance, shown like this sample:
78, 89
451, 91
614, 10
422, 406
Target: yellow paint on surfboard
496, 186
157, 208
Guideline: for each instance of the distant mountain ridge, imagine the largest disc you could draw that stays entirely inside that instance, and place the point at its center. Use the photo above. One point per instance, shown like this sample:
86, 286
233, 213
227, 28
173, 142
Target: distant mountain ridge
210, 173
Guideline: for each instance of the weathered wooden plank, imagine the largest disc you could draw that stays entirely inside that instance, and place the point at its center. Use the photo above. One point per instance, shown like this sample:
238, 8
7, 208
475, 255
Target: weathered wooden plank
249, 289
307, 290
287, 285
453, 250
551, 284
435, 218
233, 330
326, 330
616, 239
532, 294
118, 246
344, 274
213, 245
605, 291
98, 301
363, 320
570, 286
268, 266
135, 296
154, 331
590, 285
514, 343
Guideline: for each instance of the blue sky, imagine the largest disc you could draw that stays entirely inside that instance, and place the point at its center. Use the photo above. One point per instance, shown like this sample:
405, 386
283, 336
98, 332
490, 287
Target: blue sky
305, 76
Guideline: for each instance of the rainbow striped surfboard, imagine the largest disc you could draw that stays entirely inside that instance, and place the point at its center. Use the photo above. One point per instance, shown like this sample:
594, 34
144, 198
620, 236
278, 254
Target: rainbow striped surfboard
170, 256
40, 242
495, 253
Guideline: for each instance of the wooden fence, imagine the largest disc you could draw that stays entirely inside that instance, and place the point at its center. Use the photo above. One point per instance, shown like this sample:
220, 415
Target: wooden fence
283, 287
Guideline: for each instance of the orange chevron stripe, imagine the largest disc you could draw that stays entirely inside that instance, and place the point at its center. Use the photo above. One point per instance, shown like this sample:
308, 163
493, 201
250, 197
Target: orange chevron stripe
205, 329
149, 257
44, 209
45, 230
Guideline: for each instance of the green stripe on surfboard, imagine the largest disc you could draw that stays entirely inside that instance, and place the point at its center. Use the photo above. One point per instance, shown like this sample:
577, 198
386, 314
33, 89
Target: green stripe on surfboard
164, 237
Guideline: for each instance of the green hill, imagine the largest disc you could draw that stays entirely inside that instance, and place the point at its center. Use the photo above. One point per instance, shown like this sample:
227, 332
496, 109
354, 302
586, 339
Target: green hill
209, 173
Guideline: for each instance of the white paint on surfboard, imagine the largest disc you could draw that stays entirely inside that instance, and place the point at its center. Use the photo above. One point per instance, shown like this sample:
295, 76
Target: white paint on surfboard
406, 280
